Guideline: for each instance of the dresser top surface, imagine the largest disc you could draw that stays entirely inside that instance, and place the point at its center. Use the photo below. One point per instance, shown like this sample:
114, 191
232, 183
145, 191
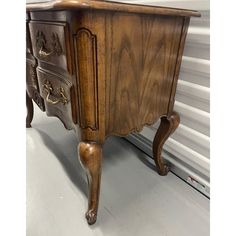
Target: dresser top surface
47, 5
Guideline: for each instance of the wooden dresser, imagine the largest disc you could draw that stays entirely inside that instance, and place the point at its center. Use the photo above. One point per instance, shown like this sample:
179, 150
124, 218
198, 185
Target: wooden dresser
105, 68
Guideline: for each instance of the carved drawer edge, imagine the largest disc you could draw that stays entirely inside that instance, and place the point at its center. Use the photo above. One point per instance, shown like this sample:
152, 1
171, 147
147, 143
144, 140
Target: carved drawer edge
85, 45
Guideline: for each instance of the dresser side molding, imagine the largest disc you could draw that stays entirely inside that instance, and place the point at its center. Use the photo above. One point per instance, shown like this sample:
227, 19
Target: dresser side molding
86, 62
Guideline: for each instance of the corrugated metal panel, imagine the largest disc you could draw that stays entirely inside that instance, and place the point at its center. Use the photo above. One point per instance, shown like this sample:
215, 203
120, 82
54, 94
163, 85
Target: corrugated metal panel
188, 149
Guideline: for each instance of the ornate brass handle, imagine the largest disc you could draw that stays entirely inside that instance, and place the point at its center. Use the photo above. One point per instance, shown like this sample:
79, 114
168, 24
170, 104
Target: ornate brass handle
48, 87
43, 53
42, 45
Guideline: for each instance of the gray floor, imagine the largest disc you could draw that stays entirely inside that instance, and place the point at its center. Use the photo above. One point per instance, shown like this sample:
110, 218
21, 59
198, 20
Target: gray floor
135, 200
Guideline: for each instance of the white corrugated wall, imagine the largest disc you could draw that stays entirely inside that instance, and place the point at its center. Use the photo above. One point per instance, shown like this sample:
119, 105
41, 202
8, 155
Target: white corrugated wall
188, 149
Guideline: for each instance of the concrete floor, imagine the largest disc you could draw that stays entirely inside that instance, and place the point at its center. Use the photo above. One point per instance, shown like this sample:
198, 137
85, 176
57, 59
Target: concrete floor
135, 200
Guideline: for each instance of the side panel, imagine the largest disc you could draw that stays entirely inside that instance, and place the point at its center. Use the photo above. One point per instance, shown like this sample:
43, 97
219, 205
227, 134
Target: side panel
141, 54
188, 149
89, 53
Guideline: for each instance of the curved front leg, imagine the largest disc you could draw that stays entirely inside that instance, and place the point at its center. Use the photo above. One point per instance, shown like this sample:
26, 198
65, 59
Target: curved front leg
90, 155
167, 126
30, 111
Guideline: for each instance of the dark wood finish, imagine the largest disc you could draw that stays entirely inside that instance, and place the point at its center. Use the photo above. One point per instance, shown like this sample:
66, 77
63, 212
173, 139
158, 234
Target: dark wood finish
105, 69
139, 72
30, 111
178, 63
109, 6
56, 91
86, 55
32, 83
90, 155
49, 43
167, 126
31, 75
90, 70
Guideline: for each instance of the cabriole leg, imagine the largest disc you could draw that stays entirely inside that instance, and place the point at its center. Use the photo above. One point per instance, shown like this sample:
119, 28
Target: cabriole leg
90, 155
30, 111
167, 126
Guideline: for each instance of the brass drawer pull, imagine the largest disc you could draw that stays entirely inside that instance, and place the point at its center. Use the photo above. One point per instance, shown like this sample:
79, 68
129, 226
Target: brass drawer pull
48, 87
42, 45
43, 53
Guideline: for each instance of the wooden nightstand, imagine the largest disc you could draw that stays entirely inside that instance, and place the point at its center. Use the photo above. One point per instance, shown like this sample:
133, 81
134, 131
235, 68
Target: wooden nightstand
105, 68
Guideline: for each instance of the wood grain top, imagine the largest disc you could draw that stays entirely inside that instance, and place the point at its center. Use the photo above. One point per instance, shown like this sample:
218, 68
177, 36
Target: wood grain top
110, 6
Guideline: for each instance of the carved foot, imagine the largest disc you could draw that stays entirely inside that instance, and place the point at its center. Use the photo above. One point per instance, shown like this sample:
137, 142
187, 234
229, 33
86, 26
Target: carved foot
30, 111
91, 216
167, 127
90, 156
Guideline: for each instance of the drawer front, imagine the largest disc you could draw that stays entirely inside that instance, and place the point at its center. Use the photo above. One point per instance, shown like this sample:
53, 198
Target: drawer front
56, 92
31, 76
28, 44
32, 84
50, 42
